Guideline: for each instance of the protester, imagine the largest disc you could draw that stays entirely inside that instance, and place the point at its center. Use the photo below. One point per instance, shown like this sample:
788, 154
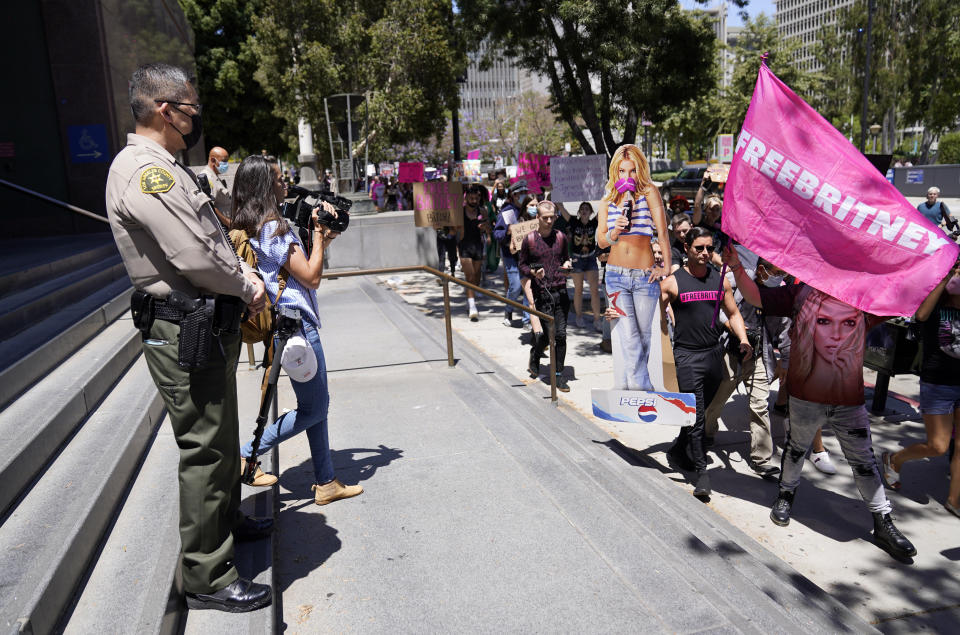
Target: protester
475, 226
510, 214
936, 210
491, 248
679, 226
825, 380
258, 191
630, 212
679, 205
447, 249
170, 242
544, 259
582, 234
499, 196
939, 315
692, 292
752, 373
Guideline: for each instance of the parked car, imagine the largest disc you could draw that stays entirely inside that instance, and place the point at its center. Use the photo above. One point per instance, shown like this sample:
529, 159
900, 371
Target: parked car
684, 183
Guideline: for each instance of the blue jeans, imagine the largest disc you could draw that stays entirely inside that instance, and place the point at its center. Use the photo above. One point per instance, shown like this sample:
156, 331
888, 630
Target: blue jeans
514, 291
313, 399
629, 290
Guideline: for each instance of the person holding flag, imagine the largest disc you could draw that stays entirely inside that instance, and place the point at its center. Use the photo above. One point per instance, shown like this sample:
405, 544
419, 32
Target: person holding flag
792, 169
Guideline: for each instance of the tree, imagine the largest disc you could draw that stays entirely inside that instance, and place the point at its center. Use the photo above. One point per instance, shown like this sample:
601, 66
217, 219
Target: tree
608, 62
238, 114
948, 150
403, 54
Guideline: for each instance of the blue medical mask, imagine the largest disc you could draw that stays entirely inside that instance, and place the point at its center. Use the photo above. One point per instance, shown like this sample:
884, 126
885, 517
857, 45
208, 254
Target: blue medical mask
222, 167
532, 210
773, 281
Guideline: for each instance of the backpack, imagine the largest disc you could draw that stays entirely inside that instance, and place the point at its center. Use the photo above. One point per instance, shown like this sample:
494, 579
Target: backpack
258, 328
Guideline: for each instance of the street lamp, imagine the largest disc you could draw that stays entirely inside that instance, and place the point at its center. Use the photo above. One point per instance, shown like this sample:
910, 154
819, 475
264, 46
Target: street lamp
874, 131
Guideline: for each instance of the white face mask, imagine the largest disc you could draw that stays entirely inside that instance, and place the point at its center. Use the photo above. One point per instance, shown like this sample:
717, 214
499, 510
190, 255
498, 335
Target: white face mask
773, 281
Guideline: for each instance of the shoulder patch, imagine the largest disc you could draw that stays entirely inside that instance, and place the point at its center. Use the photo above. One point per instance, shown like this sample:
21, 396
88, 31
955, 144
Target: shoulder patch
155, 181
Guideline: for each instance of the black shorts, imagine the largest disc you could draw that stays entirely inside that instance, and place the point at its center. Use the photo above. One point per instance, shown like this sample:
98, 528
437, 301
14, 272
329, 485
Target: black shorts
471, 250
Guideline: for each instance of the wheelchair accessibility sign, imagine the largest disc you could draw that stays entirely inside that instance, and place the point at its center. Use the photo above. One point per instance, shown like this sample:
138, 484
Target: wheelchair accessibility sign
88, 144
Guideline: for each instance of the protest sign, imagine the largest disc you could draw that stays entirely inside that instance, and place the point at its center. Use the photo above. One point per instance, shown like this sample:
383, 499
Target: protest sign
535, 168
519, 230
437, 203
471, 170
386, 169
803, 197
725, 147
578, 179
410, 173
532, 185
473, 154
718, 172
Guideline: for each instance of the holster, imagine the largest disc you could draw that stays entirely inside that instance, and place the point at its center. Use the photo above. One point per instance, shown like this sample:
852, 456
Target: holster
196, 335
141, 308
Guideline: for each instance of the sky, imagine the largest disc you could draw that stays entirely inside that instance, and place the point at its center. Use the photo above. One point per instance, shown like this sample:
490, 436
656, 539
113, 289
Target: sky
754, 8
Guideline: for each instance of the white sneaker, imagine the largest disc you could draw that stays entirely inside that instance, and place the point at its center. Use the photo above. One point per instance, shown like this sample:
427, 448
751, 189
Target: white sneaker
507, 322
580, 321
821, 461
526, 327
474, 315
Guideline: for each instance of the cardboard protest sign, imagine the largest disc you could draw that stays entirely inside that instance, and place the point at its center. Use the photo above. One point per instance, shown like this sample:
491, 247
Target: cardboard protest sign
437, 204
718, 172
803, 197
578, 179
410, 173
519, 230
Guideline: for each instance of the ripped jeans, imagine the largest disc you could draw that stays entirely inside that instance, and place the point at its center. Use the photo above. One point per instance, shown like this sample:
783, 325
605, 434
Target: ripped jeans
852, 427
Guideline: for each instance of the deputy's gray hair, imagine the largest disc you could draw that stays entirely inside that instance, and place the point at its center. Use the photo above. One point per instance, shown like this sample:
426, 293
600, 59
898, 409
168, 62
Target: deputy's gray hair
934, 190
156, 81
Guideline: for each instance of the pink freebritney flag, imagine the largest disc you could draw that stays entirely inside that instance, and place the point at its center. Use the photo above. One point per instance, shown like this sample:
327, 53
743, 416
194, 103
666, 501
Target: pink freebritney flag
801, 196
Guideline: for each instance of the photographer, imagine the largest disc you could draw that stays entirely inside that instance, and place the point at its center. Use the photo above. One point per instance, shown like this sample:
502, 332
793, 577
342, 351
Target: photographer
258, 191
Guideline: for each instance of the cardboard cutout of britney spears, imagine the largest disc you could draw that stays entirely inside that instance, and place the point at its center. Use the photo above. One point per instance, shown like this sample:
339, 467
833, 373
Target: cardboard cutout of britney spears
631, 213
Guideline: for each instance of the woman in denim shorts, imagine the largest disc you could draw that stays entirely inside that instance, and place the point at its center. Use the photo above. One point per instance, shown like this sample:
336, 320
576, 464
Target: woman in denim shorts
582, 234
939, 387
631, 213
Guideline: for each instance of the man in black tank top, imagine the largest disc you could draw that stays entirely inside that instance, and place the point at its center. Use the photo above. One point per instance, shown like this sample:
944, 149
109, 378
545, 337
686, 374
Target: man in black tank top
692, 292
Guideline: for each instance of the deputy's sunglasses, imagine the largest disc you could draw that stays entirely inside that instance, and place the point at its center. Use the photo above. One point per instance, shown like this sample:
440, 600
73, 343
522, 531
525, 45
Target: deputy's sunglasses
700, 248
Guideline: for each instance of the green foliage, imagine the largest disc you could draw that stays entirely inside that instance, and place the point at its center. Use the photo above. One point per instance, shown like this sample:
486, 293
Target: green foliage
949, 148
403, 54
645, 56
238, 114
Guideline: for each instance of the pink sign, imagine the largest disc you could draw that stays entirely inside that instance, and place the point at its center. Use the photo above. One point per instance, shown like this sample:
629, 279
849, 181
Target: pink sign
410, 173
535, 167
801, 196
473, 154
531, 180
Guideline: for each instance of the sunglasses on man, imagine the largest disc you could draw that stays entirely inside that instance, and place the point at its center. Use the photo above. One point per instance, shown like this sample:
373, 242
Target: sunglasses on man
700, 248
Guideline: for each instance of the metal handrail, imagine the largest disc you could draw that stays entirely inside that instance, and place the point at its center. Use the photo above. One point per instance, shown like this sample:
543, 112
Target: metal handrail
447, 279
68, 206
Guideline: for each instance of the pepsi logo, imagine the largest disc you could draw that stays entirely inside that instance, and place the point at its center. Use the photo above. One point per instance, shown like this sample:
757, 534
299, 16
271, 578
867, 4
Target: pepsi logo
647, 413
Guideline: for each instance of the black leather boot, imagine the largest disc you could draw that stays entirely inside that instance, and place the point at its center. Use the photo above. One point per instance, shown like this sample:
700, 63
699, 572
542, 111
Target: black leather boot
702, 489
240, 596
780, 514
886, 534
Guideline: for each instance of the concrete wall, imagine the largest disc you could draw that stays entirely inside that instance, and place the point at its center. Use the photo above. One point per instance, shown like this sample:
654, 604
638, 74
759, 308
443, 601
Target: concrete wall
946, 177
383, 240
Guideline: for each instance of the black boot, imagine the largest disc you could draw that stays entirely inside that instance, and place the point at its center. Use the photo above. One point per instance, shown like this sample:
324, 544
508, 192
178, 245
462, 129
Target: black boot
886, 534
678, 453
702, 489
780, 514
537, 342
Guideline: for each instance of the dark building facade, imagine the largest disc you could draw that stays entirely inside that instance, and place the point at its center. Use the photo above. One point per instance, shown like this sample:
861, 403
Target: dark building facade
65, 113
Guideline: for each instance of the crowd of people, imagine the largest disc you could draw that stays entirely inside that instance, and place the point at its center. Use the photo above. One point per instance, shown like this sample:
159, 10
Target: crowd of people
171, 233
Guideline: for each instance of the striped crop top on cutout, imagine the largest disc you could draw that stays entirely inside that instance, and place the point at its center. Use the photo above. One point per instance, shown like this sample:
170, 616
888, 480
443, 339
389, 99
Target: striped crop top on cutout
641, 223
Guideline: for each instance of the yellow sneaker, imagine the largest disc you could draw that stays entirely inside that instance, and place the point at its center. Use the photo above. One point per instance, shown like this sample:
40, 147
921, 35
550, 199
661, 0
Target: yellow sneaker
260, 478
334, 491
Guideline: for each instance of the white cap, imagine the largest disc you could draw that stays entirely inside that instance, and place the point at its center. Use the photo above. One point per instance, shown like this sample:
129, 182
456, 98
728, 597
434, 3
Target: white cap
298, 360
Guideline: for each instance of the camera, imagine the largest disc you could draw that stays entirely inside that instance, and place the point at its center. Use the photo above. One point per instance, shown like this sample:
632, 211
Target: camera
299, 211
204, 183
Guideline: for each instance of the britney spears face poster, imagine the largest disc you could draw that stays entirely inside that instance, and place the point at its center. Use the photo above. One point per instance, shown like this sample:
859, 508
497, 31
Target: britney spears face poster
826, 352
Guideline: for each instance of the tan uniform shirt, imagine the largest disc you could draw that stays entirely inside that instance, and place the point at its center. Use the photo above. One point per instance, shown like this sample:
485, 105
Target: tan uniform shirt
165, 228
221, 194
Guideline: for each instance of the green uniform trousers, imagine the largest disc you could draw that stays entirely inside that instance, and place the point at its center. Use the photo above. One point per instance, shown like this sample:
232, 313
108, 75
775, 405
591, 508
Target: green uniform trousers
202, 408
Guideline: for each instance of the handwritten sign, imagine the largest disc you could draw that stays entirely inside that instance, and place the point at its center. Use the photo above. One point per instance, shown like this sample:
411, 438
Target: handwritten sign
578, 179
437, 204
718, 172
386, 169
410, 173
519, 230
535, 168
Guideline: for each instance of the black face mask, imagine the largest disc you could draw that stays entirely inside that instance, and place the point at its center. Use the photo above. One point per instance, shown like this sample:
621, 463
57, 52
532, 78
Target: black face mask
193, 136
